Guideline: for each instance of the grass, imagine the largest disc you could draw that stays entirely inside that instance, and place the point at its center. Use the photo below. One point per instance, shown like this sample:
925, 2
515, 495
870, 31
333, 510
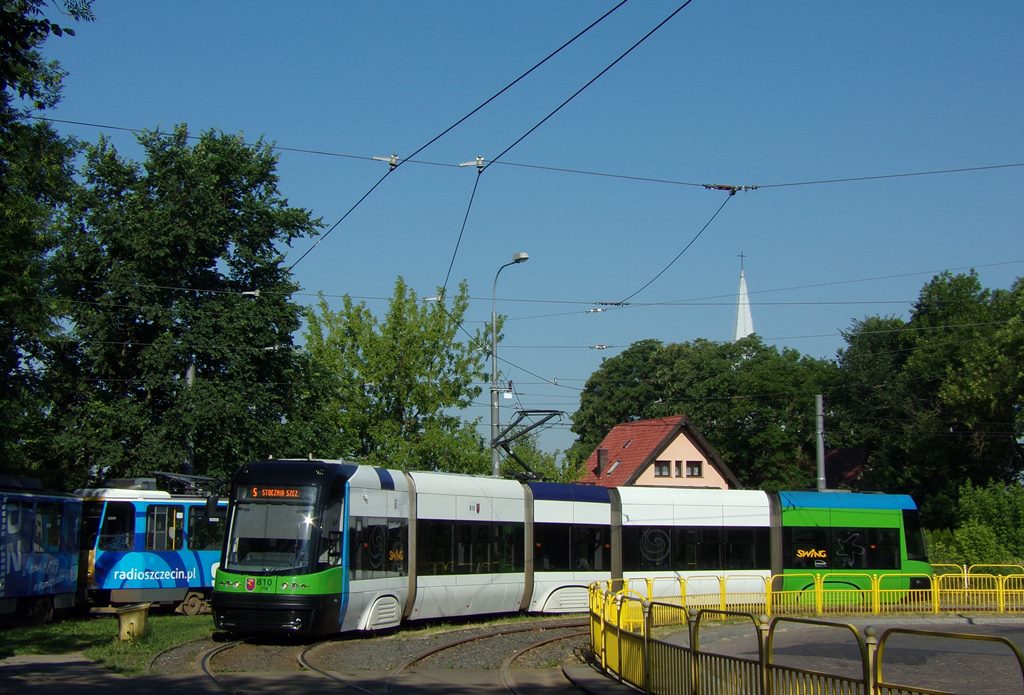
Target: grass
98, 638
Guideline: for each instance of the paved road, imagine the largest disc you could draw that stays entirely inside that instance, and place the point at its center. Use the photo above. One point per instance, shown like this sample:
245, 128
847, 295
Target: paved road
941, 663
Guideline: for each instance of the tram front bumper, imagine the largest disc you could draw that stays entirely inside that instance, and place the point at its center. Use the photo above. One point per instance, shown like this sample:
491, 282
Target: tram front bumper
254, 613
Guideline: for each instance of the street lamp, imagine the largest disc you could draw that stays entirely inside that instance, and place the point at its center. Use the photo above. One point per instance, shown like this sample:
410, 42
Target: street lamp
518, 257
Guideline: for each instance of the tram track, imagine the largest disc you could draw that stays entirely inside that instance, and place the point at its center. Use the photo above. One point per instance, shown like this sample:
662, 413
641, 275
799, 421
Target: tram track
505, 673
344, 662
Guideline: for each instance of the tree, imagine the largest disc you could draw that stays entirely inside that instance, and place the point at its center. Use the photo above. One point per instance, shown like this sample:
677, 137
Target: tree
177, 307
23, 72
386, 391
754, 404
936, 399
35, 186
622, 389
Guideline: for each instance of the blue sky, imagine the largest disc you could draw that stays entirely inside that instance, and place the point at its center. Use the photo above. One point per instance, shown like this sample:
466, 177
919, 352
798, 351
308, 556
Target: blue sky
729, 92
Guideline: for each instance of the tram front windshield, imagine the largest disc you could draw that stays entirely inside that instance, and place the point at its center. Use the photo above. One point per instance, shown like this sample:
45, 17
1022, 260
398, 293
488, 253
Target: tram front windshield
272, 529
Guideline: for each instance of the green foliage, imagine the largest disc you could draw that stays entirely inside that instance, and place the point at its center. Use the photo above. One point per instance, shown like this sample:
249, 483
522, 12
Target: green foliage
936, 399
976, 543
23, 72
36, 185
620, 390
385, 391
999, 507
941, 548
753, 403
989, 529
169, 361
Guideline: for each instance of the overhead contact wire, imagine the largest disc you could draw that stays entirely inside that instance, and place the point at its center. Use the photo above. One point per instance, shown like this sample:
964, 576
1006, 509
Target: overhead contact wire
680, 254
590, 82
459, 122
465, 219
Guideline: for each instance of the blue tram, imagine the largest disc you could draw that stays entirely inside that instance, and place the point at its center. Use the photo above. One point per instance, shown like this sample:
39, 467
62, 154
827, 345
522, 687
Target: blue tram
140, 544
38, 550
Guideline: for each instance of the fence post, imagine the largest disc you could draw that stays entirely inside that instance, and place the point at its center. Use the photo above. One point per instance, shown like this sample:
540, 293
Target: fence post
762, 657
693, 627
618, 634
721, 592
650, 587
819, 595
870, 675
876, 591
936, 594
648, 624
1001, 592
604, 632
768, 595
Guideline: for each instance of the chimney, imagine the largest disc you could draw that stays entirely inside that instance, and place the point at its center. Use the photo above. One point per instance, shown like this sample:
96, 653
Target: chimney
602, 459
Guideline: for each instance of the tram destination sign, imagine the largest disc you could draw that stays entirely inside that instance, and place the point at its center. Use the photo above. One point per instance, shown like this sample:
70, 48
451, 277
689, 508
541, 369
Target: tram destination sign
276, 492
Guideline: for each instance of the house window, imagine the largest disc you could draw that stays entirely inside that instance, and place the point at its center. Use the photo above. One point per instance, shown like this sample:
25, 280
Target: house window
679, 469
662, 469
694, 469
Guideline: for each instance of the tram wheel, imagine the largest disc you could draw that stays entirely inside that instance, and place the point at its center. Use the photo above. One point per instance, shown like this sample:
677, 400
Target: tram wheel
40, 610
193, 604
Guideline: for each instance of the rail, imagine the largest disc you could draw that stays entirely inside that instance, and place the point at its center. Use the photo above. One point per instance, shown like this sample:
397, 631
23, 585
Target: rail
654, 642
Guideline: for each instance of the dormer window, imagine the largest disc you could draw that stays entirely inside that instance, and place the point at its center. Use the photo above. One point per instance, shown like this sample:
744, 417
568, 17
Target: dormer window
628, 442
611, 469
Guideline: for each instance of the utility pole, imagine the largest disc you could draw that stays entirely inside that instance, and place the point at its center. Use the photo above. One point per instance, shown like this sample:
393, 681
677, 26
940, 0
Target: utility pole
819, 404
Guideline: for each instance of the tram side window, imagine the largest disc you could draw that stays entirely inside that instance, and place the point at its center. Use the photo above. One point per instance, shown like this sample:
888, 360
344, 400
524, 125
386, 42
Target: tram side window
117, 529
377, 547
468, 547
865, 548
434, 540
805, 547
746, 547
205, 532
398, 547
92, 515
551, 544
19, 531
709, 548
916, 549
591, 548
506, 548
646, 548
46, 536
471, 541
71, 517
164, 525
329, 546
815, 548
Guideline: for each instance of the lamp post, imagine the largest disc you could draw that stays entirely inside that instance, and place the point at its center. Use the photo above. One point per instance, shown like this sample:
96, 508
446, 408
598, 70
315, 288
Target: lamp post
518, 257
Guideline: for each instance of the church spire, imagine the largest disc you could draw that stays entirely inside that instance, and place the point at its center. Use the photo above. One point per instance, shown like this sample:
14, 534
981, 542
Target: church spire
744, 320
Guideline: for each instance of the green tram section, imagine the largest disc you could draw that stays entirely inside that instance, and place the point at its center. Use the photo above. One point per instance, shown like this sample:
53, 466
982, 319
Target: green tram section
845, 539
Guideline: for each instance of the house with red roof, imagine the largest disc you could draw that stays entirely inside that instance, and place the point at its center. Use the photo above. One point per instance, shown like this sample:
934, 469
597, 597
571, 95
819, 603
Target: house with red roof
667, 452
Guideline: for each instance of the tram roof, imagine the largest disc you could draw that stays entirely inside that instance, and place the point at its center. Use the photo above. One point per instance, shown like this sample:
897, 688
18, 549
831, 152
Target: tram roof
839, 499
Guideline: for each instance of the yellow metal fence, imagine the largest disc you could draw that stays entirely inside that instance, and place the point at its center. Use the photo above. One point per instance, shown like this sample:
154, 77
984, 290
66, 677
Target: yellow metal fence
952, 589
653, 641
